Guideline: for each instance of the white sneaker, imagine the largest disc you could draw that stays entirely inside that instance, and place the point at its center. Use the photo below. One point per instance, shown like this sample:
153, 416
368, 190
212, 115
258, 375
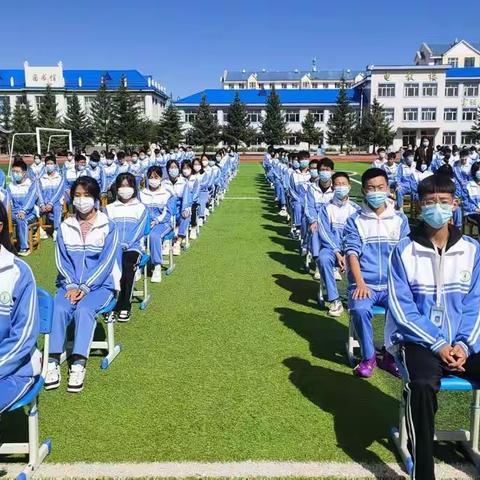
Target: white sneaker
123, 316
283, 212
166, 247
200, 222
76, 378
316, 275
177, 249
24, 253
193, 233
337, 275
43, 234
303, 252
138, 275
54, 236
53, 376
207, 211
336, 308
157, 274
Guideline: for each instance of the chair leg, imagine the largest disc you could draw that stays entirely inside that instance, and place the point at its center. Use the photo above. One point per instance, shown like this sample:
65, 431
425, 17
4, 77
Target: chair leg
471, 446
171, 265
146, 295
352, 343
400, 438
112, 348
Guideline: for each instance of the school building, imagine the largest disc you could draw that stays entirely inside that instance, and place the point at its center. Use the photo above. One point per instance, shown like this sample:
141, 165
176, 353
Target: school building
437, 96
29, 83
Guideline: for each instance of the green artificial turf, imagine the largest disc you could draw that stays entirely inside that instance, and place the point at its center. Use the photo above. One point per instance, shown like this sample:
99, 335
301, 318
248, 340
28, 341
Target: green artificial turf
232, 360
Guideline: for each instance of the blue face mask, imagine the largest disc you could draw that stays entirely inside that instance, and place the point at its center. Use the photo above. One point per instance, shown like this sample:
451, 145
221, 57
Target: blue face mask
437, 215
296, 164
211, 163
341, 192
50, 168
173, 172
376, 199
93, 164
17, 177
477, 175
304, 163
314, 173
81, 168
325, 176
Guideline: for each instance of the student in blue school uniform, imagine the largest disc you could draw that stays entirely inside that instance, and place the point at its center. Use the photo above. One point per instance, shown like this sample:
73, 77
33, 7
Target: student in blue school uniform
20, 360
72, 174
111, 171
22, 193
178, 186
433, 325
130, 217
299, 182
2, 178
194, 187
370, 236
331, 223
86, 255
381, 159
36, 169
471, 196
462, 169
204, 194
161, 205
144, 160
69, 163
277, 177
447, 170
135, 168
95, 170
50, 193
406, 183
391, 168
5, 198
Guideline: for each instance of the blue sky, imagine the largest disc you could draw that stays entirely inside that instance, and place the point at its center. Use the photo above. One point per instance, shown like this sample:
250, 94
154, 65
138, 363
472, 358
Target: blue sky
186, 44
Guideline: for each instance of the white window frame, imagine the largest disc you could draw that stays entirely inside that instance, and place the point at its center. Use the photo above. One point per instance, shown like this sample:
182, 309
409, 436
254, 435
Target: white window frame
429, 112
469, 114
450, 135
411, 85
389, 114
466, 138
451, 87
430, 89
465, 62
296, 116
318, 114
453, 61
407, 111
470, 89
452, 112
386, 90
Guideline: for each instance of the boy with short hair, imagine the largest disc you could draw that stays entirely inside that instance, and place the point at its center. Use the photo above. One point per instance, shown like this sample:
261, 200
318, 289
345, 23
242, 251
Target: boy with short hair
391, 168
381, 159
299, 181
433, 323
370, 236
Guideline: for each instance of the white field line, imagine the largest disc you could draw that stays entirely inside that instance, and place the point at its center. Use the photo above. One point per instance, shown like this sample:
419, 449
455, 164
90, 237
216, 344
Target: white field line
247, 469
352, 174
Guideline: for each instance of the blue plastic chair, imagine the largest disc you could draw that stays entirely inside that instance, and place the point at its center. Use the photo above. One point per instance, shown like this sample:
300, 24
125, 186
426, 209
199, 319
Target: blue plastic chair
468, 438
36, 452
352, 345
142, 266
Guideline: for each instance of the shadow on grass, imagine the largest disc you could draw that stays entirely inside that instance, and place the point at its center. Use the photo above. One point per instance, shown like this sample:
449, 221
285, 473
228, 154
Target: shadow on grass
288, 244
362, 413
302, 290
293, 262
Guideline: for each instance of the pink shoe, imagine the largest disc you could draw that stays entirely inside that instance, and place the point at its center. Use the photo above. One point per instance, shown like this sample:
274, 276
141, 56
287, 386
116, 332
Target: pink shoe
365, 368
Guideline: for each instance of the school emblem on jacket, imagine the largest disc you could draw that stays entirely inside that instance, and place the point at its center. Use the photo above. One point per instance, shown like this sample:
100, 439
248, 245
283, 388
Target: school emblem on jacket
5, 298
465, 276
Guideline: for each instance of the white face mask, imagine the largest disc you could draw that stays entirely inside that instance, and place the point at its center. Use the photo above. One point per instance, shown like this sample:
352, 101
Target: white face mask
154, 182
197, 167
126, 193
204, 163
84, 204
186, 172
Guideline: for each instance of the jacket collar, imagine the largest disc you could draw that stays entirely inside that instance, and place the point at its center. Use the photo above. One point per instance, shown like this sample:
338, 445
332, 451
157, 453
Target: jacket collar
100, 221
6, 258
419, 235
387, 213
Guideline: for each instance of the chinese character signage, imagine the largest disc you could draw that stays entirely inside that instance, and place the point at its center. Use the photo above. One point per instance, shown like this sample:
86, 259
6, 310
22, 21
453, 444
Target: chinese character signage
43, 76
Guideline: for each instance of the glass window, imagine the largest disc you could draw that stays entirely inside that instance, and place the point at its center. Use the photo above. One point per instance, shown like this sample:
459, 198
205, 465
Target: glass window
409, 137
449, 138
450, 114
389, 114
470, 89
429, 114
295, 85
451, 89
453, 61
314, 85
469, 62
241, 86
190, 116
325, 85
430, 89
39, 100
292, 140
469, 114
410, 89
386, 89
410, 114
284, 85
254, 116
292, 116
467, 138
319, 115
231, 86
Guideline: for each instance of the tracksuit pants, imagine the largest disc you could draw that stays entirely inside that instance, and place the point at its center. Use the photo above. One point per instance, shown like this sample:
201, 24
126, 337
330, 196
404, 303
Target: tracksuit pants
202, 200
129, 261
297, 208
12, 388
361, 315
193, 221
326, 261
55, 216
83, 315
157, 234
22, 229
183, 225
424, 371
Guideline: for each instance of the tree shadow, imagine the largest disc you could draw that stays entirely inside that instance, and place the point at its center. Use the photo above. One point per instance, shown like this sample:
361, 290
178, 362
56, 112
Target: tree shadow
287, 243
302, 291
293, 262
362, 413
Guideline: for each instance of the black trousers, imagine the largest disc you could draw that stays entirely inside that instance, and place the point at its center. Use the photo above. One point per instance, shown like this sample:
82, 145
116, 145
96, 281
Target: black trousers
193, 218
425, 372
129, 260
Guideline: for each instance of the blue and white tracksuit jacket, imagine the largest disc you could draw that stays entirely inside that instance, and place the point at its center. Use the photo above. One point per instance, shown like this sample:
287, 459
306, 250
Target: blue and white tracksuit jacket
161, 161
2, 179
99, 175
68, 165
371, 238
331, 223
71, 175
203, 194
35, 171
299, 183
23, 197
462, 174
137, 171
391, 171
181, 190
51, 191
20, 360
162, 206
5, 198
438, 161
90, 265
123, 167
471, 198
406, 183
111, 172
413, 293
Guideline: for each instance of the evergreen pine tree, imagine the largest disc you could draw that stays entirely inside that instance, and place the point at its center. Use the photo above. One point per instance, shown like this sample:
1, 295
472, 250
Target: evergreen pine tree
170, 127
23, 121
273, 125
476, 128
78, 122
238, 128
310, 133
126, 116
6, 115
374, 128
205, 130
341, 124
103, 121
47, 117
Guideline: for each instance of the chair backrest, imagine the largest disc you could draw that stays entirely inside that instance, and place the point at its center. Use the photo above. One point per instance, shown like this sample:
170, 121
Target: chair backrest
148, 226
45, 308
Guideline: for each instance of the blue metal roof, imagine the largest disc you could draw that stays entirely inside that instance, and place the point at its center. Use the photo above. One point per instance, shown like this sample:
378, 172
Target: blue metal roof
91, 79
259, 97
265, 76
468, 72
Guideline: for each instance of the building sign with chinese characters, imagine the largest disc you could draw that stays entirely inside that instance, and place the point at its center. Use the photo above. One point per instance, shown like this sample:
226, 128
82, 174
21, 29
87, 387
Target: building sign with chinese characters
43, 76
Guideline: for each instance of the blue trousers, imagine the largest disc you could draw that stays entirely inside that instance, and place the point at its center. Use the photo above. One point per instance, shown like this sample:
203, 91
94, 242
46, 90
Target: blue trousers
401, 192
361, 316
202, 203
183, 225
83, 314
326, 261
22, 229
12, 388
157, 235
280, 193
55, 216
297, 208
314, 244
